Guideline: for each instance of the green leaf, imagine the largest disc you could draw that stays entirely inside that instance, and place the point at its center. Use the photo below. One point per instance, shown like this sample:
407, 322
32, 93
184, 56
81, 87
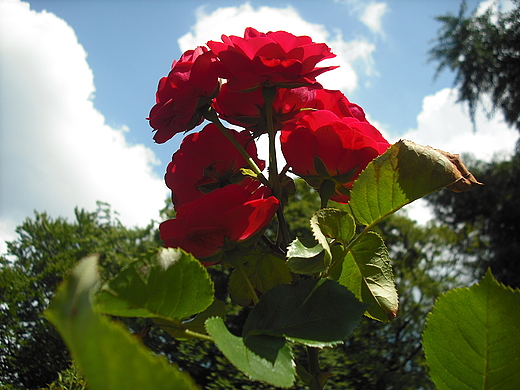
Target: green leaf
404, 173
178, 329
367, 272
109, 357
334, 224
275, 368
262, 270
314, 312
472, 337
172, 285
305, 256
329, 226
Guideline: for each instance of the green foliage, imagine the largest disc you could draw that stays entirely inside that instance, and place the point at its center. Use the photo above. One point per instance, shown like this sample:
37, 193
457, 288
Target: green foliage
278, 371
171, 284
387, 353
487, 221
69, 379
44, 251
482, 49
367, 272
116, 360
258, 271
305, 256
270, 324
472, 337
313, 312
404, 173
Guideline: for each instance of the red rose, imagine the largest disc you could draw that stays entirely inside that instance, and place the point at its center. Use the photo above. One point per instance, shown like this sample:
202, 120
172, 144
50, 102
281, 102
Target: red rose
247, 109
190, 84
207, 160
218, 221
322, 146
338, 103
275, 58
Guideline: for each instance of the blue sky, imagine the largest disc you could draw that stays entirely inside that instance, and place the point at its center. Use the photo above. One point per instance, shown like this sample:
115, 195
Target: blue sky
79, 78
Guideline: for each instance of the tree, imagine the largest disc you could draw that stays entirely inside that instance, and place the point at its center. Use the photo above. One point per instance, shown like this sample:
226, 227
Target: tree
45, 250
488, 220
484, 52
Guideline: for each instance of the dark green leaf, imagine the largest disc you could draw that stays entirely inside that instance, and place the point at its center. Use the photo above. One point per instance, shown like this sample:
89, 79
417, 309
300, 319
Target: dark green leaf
315, 312
197, 324
279, 373
262, 270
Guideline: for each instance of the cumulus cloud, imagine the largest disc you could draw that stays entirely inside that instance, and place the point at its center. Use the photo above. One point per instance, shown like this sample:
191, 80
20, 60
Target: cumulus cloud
496, 6
445, 124
369, 13
372, 15
57, 152
353, 56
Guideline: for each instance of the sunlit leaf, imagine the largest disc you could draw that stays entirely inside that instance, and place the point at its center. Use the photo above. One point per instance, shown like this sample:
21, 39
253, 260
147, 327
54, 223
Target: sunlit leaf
367, 272
472, 338
404, 173
306, 256
172, 285
333, 224
108, 356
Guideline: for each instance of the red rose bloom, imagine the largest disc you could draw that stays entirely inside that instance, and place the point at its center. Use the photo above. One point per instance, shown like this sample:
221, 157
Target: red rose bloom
218, 221
190, 84
338, 103
247, 109
275, 58
207, 160
321, 146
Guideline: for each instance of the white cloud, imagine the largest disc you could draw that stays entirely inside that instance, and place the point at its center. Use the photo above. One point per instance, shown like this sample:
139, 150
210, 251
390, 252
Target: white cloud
445, 124
56, 150
369, 13
372, 15
234, 20
496, 6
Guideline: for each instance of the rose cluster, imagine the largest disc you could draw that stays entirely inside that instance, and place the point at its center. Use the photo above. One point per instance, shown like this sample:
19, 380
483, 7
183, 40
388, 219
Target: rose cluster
264, 83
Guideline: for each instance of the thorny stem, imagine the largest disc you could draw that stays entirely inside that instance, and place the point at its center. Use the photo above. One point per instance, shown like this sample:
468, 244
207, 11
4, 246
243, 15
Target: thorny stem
209, 113
314, 368
269, 95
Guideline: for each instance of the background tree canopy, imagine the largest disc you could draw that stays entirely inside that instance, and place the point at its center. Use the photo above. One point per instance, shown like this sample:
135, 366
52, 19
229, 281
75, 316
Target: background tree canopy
45, 250
484, 52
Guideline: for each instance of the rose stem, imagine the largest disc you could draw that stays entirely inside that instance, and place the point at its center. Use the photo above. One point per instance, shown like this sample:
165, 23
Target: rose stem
209, 113
269, 95
314, 368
